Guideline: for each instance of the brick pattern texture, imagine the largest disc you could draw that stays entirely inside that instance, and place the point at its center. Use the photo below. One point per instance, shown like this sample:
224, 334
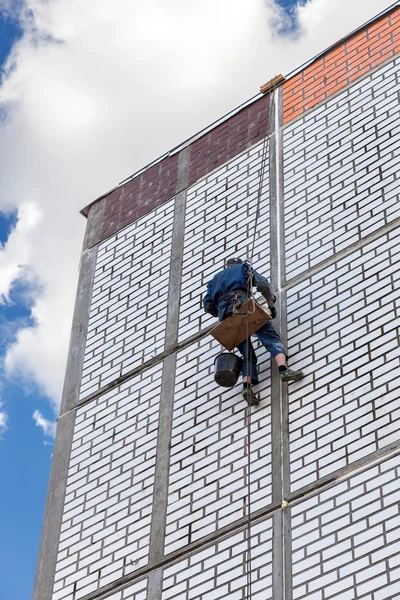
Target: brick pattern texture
129, 300
342, 164
139, 196
346, 539
107, 511
342, 66
344, 330
220, 570
230, 138
207, 485
220, 217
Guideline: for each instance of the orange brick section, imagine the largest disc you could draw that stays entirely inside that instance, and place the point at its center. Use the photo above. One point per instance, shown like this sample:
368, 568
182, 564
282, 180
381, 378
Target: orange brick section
345, 63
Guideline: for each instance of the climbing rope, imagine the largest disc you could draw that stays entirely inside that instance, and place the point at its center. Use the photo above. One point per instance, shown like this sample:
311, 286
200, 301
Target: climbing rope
248, 450
264, 153
248, 473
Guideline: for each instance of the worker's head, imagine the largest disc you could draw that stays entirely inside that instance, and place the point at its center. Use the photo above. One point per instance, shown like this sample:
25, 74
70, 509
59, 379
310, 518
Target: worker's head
233, 261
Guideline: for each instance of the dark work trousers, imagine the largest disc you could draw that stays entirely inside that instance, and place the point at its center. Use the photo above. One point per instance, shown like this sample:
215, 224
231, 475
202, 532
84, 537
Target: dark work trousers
266, 334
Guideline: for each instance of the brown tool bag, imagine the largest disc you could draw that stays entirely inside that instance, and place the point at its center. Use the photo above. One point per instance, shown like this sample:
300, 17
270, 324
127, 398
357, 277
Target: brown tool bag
242, 323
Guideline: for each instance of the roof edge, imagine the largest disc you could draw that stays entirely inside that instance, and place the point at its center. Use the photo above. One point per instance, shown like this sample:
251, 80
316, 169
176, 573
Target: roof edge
175, 150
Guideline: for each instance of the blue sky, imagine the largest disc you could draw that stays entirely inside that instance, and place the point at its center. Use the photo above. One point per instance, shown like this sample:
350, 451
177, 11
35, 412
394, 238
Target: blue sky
9, 32
24, 458
24, 462
289, 5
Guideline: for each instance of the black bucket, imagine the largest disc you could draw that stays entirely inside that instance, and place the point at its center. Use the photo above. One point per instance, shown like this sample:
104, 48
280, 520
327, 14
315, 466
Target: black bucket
227, 369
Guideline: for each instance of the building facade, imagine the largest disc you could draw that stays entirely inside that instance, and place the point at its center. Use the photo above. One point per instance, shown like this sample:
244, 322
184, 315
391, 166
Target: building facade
149, 493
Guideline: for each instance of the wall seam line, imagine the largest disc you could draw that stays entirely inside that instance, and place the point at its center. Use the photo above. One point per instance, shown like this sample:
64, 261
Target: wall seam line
372, 237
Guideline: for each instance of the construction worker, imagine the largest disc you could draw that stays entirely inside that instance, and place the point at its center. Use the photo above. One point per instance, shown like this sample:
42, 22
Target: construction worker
230, 288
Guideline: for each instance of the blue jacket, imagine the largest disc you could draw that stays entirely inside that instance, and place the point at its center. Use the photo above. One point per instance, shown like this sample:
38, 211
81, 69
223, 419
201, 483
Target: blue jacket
231, 279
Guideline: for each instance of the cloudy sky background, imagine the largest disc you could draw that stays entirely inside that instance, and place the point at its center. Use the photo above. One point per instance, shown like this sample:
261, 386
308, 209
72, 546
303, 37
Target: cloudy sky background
91, 91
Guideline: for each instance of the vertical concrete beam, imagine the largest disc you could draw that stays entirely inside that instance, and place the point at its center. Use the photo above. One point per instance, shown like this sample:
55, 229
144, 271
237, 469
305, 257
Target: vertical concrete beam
80, 319
94, 224
175, 278
182, 179
160, 498
76, 352
178, 233
278, 582
276, 282
46, 566
286, 518
286, 553
154, 588
276, 404
280, 454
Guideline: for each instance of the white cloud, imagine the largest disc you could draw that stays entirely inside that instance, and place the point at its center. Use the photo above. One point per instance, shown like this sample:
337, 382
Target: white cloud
3, 420
48, 427
324, 22
126, 81
17, 253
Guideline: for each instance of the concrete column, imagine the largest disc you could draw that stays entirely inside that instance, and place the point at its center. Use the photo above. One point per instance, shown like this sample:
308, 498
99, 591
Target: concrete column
46, 566
80, 320
76, 352
160, 498
175, 278
154, 589
280, 454
94, 224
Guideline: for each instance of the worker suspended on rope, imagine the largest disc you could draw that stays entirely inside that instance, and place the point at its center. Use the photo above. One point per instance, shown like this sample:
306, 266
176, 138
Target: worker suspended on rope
227, 291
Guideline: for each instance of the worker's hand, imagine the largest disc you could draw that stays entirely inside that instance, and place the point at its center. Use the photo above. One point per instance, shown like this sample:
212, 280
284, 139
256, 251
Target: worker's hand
272, 310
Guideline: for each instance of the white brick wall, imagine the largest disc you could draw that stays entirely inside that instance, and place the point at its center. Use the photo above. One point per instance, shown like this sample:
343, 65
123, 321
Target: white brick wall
220, 571
207, 485
107, 511
343, 329
342, 165
346, 539
129, 301
220, 217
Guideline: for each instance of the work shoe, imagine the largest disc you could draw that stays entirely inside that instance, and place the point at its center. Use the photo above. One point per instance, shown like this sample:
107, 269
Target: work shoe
290, 375
250, 397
